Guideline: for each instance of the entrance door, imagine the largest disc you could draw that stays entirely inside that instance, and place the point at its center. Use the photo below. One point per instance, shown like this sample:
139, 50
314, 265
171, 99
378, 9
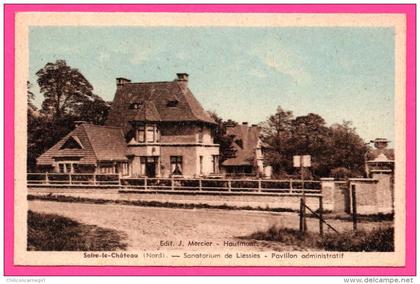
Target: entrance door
151, 169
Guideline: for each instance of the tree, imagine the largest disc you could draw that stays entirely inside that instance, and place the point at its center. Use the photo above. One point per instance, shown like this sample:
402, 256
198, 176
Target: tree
95, 110
220, 137
337, 150
310, 136
63, 87
349, 149
68, 98
277, 132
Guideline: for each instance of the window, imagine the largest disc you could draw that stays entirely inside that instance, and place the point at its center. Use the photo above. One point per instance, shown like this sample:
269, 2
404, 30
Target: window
135, 105
215, 162
201, 165
143, 165
150, 135
124, 169
66, 168
140, 134
200, 134
172, 102
106, 169
176, 165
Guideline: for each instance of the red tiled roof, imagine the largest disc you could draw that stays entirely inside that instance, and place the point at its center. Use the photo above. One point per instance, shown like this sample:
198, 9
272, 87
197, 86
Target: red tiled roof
247, 141
99, 143
153, 98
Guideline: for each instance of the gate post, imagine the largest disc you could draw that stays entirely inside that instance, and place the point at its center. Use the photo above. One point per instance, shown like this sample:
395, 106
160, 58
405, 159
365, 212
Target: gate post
301, 222
321, 223
327, 191
354, 206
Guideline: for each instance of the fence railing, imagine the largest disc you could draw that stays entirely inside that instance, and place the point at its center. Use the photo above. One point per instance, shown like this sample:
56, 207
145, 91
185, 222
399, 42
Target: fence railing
176, 184
72, 179
221, 185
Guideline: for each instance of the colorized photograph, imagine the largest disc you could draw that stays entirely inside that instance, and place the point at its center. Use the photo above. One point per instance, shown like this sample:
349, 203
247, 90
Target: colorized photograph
206, 145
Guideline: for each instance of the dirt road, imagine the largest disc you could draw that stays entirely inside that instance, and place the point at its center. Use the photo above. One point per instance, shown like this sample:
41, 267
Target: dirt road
148, 227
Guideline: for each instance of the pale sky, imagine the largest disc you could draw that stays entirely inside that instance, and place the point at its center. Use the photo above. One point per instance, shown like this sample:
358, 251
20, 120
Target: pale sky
241, 73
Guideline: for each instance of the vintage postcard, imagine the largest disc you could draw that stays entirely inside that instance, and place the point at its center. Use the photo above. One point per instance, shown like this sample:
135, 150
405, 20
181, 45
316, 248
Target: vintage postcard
199, 139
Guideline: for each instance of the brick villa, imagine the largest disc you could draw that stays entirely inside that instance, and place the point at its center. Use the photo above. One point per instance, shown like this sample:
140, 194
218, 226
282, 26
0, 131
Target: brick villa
154, 129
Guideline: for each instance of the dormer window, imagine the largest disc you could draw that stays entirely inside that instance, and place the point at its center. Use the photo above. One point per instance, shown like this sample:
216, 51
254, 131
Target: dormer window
136, 105
172, 103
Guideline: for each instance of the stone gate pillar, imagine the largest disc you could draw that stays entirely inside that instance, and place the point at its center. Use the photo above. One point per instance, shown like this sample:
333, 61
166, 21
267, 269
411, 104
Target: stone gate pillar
328, 188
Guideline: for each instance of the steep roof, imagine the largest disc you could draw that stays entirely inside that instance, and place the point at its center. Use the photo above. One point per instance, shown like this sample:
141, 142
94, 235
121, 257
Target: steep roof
155, 101
245, 142
377, 153
98, 143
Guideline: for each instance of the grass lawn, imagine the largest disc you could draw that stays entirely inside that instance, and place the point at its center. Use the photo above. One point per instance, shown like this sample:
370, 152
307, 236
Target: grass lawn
378, 239
50, 232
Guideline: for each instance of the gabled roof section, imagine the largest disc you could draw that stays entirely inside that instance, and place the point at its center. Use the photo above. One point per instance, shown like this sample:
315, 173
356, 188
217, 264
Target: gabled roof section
247, 141
100, 143
375, 153
107, 142
147, 112
73, 142
153, 98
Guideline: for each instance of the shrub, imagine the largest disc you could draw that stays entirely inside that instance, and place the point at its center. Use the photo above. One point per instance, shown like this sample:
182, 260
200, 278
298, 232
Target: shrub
379, 239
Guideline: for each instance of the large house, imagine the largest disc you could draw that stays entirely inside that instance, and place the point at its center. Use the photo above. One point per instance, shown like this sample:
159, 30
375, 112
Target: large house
248, 148
154, 129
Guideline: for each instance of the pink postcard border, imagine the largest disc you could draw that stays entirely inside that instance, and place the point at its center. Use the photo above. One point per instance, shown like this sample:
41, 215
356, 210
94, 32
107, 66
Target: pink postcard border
10, 269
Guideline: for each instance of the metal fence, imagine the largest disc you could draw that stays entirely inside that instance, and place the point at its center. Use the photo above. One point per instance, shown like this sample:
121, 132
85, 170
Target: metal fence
203, 185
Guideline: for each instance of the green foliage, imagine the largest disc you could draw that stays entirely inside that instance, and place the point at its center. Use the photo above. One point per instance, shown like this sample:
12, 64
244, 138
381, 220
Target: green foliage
220, 137
338, 146
68, 98
50, 232
63, 87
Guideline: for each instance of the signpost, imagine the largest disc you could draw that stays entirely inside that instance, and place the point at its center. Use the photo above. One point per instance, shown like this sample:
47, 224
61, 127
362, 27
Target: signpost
302, 161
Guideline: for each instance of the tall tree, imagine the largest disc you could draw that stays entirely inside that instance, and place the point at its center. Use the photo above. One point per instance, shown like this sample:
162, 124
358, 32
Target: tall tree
68, 97
63, 87
349, 150
277, 132
334, 150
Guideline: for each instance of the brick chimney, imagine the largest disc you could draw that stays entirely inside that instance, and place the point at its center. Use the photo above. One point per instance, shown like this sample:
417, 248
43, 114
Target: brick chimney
77, 123
182, 77
121, 81
380, 143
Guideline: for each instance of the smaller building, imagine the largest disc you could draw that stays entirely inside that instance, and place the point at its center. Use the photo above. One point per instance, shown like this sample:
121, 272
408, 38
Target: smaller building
88, 149
380, 159
248, 151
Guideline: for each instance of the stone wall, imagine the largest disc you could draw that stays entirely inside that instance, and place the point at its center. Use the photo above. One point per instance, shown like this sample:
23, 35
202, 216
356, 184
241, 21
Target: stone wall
373, 195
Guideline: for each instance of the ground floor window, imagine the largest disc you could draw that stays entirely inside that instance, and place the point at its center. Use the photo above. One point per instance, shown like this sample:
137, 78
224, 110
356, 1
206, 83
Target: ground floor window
124, 169
176, 165
215, 162
201, 165
106, 169
67, 168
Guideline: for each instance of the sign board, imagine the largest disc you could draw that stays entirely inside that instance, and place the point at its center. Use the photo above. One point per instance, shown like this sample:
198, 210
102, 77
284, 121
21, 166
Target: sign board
305, 160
